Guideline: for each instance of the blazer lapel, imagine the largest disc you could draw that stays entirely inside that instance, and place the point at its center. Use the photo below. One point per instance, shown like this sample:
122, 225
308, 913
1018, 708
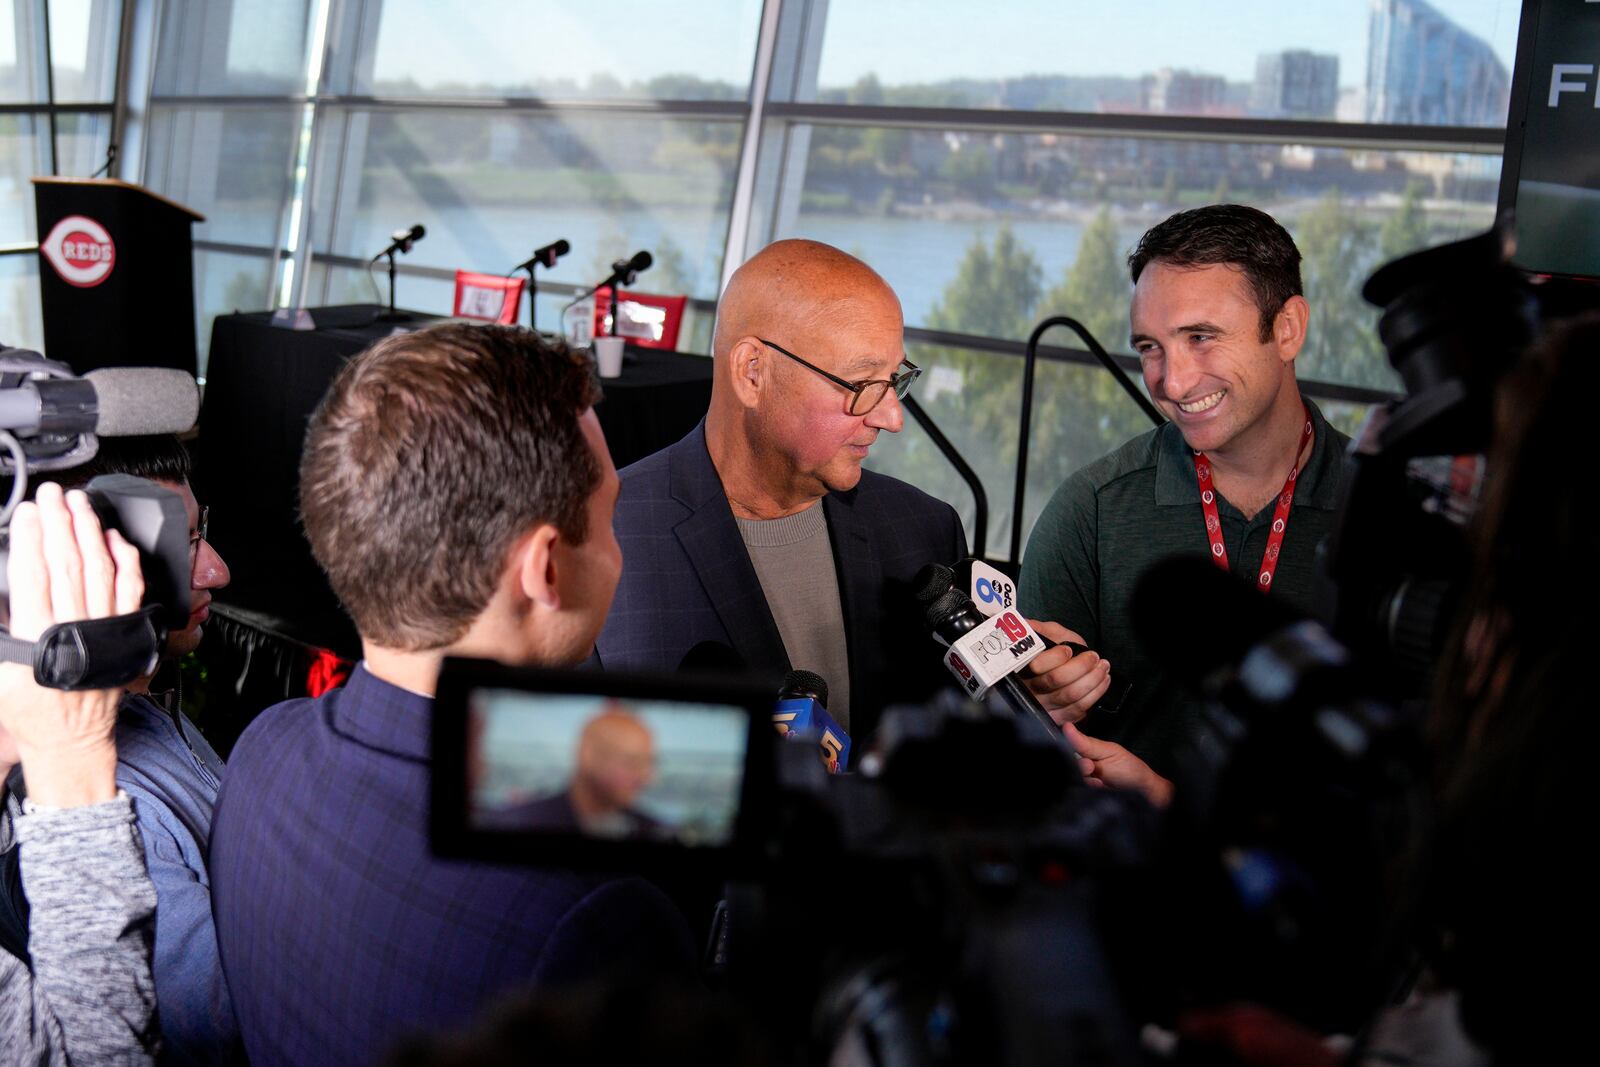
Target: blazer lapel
710, 538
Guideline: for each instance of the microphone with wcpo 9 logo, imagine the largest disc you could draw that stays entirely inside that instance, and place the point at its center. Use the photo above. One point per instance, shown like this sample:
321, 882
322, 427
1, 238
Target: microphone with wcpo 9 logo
985, 652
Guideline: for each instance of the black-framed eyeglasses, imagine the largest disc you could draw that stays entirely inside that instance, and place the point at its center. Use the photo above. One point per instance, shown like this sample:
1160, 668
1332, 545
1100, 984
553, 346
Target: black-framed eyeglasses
867, 394
200, 530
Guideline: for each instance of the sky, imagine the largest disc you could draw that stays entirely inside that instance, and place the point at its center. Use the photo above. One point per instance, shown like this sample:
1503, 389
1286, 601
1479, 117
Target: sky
509, 40
902, 41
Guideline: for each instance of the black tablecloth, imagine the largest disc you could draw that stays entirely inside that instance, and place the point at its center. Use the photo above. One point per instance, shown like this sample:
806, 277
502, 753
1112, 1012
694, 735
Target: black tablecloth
262, 384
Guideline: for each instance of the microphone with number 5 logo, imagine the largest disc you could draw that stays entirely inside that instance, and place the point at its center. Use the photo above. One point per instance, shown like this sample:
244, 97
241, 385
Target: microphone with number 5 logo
802, 712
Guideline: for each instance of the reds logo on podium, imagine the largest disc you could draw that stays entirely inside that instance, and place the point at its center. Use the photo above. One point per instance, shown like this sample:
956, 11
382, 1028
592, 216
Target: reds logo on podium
81, 251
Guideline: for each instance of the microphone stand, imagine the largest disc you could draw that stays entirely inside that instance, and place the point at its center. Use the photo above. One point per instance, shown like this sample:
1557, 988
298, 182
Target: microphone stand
1030, 360
533, 296
391, 315
617, 281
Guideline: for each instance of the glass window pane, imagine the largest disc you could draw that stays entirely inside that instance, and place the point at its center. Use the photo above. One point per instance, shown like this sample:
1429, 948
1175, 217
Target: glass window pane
490, 188
1435, 62
988, 233
568, 49
23, 75
83, 49
975, 398
24, 153
229, 164
82, 141
232, 47
226, 283
20, 323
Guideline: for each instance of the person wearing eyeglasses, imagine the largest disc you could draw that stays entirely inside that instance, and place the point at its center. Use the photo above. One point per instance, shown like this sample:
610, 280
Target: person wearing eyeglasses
761, 530
172, 775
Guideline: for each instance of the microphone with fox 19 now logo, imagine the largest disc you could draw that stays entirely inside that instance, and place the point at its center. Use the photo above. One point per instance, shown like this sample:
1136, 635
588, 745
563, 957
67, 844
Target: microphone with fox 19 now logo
983, 653
992, 592
802, 714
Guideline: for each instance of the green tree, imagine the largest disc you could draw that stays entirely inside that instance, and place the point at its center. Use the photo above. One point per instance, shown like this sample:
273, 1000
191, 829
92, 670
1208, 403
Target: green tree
1081, 412
975, 397
1169, 187
1096, 289
1342, 342
994, 292
971, 170
671, 272
1407, 229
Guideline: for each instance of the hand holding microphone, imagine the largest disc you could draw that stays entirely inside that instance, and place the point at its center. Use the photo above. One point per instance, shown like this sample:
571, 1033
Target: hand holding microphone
1068, 682
1068, 678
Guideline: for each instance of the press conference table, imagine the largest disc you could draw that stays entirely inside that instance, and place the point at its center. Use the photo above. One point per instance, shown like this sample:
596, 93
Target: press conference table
262, 384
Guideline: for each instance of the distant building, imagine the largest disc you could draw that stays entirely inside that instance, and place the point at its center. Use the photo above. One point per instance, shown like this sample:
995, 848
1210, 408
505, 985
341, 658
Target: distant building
1184, 92
1423, 69
1295, 84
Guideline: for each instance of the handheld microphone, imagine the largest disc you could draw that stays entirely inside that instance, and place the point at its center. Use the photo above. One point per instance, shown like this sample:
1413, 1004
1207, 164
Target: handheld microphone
993, 592
984, 653
802, 714
545, 257
402, 240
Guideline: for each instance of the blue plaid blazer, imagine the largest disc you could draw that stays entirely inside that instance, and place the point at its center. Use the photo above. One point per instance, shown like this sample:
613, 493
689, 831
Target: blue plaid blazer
687, 578
339, 933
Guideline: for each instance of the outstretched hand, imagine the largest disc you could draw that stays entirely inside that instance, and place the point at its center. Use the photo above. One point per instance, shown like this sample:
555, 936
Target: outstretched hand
1106, 763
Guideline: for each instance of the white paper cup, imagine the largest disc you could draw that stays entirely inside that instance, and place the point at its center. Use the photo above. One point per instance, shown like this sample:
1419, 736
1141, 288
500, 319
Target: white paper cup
608, 354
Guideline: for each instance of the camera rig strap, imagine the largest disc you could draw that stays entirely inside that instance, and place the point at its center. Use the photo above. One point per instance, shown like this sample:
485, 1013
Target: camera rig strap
90, 653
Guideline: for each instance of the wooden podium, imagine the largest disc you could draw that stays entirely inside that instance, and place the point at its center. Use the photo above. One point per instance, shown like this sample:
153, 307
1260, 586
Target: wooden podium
116, 275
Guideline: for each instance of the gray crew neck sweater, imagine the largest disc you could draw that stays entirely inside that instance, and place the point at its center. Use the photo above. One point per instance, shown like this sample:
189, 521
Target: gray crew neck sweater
793, 558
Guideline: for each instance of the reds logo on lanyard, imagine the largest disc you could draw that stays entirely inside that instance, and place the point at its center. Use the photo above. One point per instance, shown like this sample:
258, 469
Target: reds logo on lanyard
1280, 515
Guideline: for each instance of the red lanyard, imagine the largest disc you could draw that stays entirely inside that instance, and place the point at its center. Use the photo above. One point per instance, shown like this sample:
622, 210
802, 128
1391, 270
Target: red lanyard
1280, 516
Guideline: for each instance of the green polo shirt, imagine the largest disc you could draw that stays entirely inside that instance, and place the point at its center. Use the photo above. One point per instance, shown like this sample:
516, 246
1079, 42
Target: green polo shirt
1141, 504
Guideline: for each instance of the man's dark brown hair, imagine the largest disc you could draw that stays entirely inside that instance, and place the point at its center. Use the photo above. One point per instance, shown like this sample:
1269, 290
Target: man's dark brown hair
431, 454
1230, 234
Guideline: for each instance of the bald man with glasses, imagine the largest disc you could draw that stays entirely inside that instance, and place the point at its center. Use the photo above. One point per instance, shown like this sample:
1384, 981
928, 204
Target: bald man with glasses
760, 530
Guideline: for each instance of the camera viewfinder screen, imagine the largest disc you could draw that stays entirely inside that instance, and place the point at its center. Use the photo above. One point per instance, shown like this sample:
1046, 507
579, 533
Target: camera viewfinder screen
605, 767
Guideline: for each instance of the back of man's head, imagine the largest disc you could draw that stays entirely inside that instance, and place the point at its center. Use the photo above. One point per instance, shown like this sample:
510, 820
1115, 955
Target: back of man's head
1232, 234
431, 454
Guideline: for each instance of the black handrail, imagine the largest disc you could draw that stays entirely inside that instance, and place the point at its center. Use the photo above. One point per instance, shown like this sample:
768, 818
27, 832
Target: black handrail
1030, 360
980, 499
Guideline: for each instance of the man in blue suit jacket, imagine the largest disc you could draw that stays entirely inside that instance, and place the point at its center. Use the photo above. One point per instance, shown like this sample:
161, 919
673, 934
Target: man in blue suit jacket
760, 530
457, 489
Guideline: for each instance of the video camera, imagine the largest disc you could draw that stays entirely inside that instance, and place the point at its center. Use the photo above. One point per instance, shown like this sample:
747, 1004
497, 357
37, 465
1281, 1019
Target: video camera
943, 898
50, 419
